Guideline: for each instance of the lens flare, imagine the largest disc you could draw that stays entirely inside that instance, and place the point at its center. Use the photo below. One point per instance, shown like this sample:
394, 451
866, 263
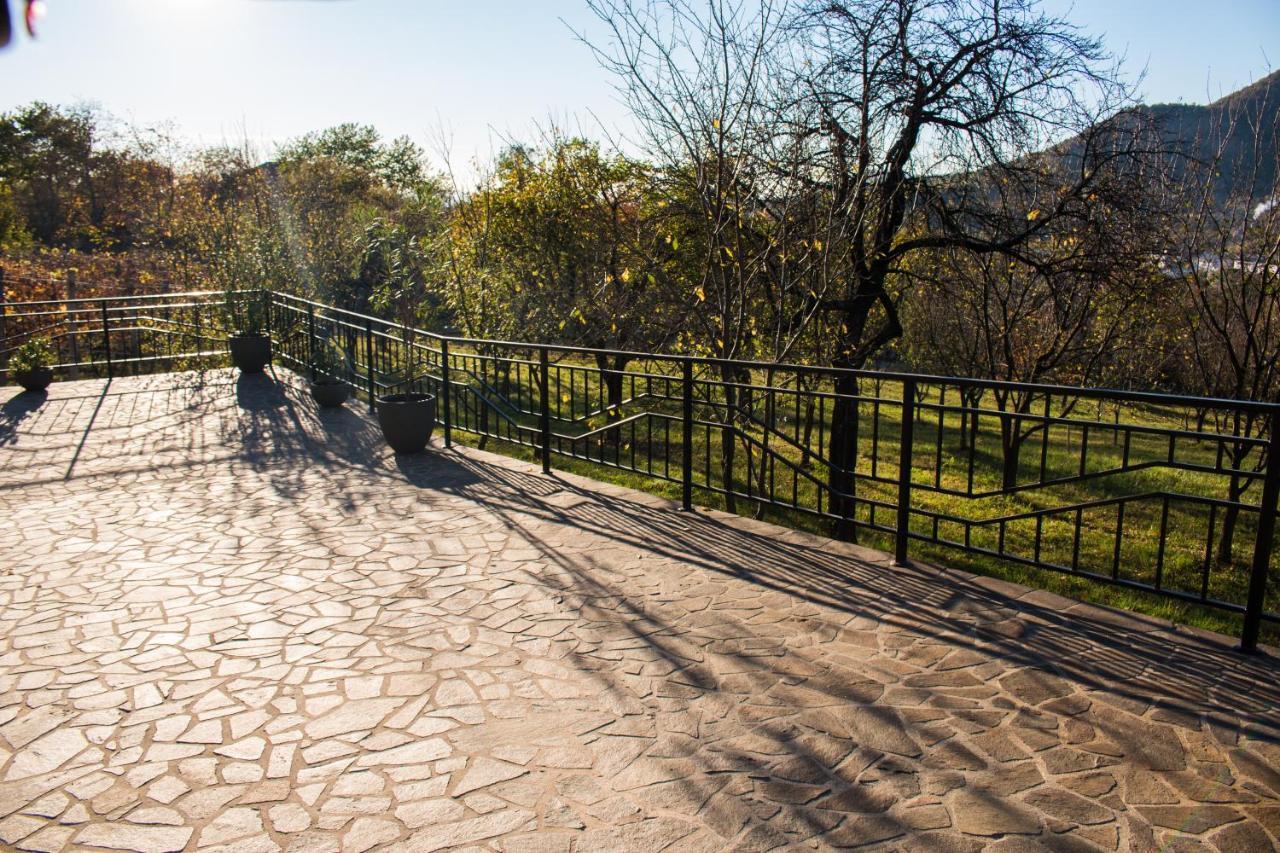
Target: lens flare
35, 12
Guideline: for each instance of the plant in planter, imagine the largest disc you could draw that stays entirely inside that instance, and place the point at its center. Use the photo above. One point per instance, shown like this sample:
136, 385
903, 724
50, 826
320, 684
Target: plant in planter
31, 364
328, 367
394, 269
408, 417
249, 342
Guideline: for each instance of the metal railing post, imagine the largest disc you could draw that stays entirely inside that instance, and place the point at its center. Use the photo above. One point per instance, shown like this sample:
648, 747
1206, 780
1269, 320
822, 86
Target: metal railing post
199, 337
1261, 564
73, 324
368, 361
902, 533
311, 340
544, 419
686, 473
106, 337
446, 391
4, 329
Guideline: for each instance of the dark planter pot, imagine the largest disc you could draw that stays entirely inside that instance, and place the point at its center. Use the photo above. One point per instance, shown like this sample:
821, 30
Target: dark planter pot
330, 393
407, 420
34, 380
250, 351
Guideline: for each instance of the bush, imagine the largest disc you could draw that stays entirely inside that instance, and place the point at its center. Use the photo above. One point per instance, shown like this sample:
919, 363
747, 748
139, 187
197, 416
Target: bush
329, 361
34, 354
246, 312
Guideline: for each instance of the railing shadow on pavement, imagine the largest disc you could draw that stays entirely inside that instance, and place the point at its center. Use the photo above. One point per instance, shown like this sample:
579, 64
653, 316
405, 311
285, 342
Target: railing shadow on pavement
1128, 657
1122, 660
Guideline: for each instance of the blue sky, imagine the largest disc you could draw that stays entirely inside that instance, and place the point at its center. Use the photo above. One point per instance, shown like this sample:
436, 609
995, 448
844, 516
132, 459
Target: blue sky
221, 70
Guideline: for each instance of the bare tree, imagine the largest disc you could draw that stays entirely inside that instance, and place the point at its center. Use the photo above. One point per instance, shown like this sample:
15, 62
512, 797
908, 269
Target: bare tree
986, 316
914, 122
1225, 260
698, 82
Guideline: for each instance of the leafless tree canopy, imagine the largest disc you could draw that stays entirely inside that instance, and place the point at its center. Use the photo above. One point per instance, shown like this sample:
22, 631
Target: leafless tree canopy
891, 126
834, 148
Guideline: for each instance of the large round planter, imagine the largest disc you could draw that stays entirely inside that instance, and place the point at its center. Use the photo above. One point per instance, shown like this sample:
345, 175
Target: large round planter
34, 380
407, 420
330, 393
250, 351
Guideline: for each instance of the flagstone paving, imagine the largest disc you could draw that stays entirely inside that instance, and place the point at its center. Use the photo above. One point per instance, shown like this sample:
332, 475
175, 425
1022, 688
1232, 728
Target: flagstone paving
230, 622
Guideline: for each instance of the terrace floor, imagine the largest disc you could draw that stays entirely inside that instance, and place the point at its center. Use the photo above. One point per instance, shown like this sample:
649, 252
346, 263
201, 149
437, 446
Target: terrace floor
232, 622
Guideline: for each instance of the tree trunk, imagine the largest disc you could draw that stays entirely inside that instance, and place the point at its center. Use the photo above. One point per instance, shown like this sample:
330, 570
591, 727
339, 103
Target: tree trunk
1226, 539
844, 455
4, 343
612, 376
502, 371
1241, 425
970, 398
810, 405
761, 473
1011, 440
731, 375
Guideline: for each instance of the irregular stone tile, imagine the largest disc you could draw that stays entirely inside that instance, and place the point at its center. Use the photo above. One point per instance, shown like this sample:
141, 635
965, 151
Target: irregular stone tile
46, 754
483, 772
1194, 819
369, 832
231, 824
289, 818
880, 729
438, 837
984, 813
143, 839
352, 716
410, 753
1242, 837
17, 827
47, 840
1067, 806
249, 749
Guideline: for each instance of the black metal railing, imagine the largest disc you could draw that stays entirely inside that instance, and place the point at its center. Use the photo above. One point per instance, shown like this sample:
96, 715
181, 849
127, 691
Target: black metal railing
1171, 495
119, 336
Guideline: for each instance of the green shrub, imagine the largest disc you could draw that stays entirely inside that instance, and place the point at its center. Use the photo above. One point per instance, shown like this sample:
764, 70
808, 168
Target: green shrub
329, 361
246, 312
32, 355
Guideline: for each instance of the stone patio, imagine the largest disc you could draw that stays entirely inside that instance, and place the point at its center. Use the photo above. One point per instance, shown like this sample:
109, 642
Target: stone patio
232, 622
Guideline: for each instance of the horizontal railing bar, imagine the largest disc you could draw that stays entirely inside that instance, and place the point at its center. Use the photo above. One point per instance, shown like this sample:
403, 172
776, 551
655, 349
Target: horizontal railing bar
1098, 424
134, 360
1030, 515
1171, 592
148, 297
890, 376
1092, 475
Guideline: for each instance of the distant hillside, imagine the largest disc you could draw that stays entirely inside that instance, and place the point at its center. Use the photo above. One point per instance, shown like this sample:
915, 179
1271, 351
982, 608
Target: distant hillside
1196, 131
1192, 133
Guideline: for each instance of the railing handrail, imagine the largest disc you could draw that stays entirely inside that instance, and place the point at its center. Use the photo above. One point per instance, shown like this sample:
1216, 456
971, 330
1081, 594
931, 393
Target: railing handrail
13, 310
1051, 389
1085, 391
139, 297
